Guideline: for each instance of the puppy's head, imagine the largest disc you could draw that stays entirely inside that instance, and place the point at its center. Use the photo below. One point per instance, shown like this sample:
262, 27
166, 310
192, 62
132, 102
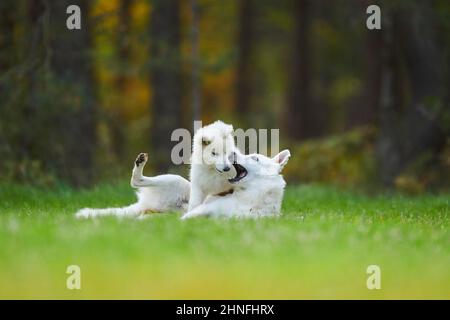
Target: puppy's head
213, 145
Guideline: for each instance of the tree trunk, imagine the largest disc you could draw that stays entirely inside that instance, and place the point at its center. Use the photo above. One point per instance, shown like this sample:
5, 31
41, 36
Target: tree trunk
123, 57
7, 35
196, 63
408, 130
165, 78
365, 110
7, 61
70, 65
34, 57
302, 120
245, 50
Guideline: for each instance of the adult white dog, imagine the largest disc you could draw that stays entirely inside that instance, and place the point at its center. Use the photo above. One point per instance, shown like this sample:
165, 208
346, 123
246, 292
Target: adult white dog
257, 190
163, 193
210, 164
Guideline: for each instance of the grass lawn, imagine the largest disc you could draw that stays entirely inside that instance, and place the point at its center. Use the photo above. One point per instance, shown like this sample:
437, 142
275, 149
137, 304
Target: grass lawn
319, 248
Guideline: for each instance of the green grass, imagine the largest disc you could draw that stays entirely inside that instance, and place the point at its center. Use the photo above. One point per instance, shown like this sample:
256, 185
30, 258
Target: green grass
319, 248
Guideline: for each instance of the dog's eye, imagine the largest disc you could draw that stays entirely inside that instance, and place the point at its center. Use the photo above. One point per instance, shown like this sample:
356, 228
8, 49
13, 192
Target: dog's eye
205, 142
213, 153
255, 158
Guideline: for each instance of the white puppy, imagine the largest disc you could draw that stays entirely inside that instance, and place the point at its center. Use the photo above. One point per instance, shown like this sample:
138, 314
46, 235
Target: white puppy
164, 193
257, 191
212, 146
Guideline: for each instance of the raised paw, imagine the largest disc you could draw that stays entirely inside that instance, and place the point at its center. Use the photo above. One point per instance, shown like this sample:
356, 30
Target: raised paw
141, 158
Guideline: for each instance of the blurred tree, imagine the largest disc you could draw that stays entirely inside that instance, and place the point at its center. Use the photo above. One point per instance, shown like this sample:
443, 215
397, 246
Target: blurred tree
35, 58
26, 76
71, 68
412, 89
301, 117
245, 47
7, 22
165, 78
8, 58
123, 48
196, 63
49, 119
365, 110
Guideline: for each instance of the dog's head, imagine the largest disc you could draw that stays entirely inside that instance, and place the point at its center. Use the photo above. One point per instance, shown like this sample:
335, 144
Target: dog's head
254, 165
215, 144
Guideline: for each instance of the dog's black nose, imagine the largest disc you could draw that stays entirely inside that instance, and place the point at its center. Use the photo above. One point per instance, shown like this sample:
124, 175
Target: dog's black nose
226, 169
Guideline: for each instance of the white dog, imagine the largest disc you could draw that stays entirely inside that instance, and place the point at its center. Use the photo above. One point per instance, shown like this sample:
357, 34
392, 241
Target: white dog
212, 146
210, 164
257, 191
164, 193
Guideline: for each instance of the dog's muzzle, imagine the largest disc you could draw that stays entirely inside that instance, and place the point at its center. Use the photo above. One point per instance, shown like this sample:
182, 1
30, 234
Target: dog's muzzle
241, 173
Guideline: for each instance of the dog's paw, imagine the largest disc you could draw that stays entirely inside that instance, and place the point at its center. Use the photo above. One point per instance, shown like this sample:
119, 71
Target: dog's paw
186, 216
84, 213
141, 159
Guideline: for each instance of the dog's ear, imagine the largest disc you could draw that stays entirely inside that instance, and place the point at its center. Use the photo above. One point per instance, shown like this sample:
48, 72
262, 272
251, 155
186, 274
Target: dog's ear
228, 130
205, 141
282, 158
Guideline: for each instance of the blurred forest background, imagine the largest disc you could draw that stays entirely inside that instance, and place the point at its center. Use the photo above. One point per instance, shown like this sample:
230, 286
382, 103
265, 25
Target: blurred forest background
357, 107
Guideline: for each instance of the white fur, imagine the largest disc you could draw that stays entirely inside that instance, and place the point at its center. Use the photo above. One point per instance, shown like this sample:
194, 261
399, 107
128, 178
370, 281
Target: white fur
164, 193
208, 172
259, 194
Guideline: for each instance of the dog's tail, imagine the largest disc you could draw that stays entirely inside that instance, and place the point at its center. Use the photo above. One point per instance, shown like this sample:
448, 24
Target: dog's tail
130, 211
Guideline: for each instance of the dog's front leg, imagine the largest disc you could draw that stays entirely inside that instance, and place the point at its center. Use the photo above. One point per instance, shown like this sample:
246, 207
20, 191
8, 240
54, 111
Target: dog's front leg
201, 210
196, 197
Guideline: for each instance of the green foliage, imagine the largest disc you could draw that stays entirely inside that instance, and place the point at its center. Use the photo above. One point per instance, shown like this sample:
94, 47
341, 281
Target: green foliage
319, 248
40, 112
349, 160
427, 172
346, 159
38, 131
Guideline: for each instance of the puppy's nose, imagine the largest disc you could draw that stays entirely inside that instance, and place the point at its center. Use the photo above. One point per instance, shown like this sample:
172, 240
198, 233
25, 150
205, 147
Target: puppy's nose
226, 169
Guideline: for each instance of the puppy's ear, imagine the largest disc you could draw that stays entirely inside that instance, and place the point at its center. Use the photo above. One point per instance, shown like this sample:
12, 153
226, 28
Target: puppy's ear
205, 141
282, 158
228, 130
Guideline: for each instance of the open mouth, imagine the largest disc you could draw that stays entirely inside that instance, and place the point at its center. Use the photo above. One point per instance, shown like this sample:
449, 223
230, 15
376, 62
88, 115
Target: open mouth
241, 173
